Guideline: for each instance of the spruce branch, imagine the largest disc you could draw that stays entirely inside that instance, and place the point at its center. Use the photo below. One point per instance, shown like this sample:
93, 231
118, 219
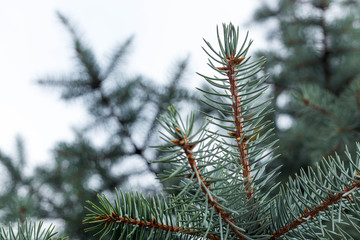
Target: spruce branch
319, 109
154, 224
314, 198
224, 192
29, 230
231, 61
312, 213
139, 210
215, 166
107, 102
238, 134
204, 185
93, 80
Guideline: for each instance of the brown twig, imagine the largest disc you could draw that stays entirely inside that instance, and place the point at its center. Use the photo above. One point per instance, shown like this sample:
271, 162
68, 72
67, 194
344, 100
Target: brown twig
114, 218
311, 214
205, 186
124, 129
238, 121
317, 108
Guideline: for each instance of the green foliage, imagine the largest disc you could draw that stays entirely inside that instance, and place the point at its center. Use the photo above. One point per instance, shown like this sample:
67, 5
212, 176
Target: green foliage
122, 109
29, 230
224, 190
219, 175
313, 56
126, 108
14, 204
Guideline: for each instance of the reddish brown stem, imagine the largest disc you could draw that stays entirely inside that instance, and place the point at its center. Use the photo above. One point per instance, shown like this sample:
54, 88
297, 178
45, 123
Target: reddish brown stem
317, 108
311, 214
114, 218
238, 122
205, 187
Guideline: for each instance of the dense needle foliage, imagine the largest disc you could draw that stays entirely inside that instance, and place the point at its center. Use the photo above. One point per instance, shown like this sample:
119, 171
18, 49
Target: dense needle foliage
224, 190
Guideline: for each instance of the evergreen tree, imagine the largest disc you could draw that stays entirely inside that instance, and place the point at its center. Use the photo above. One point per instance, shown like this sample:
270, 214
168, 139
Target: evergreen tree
313, 56
124, 110
225, 192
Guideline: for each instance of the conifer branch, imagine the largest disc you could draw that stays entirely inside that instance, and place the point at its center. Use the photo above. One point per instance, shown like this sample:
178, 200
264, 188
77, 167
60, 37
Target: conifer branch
107, 102
205, 187
311, 214
319, 109
29, 230
241, 141
116, 219
223, 194
125, 131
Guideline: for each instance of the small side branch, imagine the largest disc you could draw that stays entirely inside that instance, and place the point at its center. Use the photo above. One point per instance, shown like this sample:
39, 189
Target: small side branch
205, 187
114, 218
238, 121
311, 214
319, 109
124, 130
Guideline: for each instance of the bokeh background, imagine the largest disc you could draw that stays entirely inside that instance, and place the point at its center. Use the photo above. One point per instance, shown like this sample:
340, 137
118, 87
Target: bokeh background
34, 44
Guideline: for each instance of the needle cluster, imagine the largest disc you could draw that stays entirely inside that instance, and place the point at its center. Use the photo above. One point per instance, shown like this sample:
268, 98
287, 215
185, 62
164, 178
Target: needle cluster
225, 191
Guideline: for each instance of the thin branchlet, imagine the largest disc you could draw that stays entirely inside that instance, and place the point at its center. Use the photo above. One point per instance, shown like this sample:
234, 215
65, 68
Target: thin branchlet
204, 185
319, 109
312, 213
241, 141
115, 218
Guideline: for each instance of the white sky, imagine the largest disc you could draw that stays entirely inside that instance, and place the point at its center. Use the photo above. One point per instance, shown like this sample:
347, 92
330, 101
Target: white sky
33, 44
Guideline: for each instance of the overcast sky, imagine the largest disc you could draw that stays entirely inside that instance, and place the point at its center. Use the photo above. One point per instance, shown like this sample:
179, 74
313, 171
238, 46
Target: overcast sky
33, 44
